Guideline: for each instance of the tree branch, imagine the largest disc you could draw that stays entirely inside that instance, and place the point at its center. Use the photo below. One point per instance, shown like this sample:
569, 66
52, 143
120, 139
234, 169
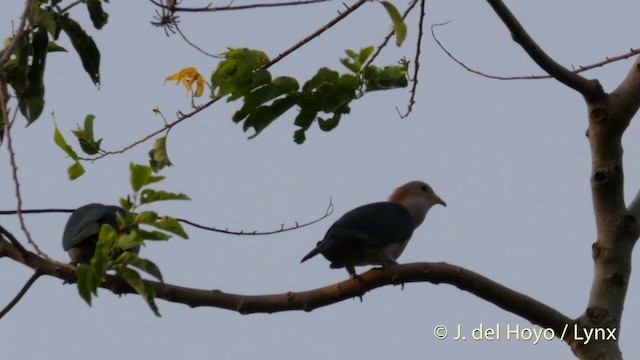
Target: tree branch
590, 89
282, 228
580, 69
20, 294
172, 6
436, 273
8, 51
617, 226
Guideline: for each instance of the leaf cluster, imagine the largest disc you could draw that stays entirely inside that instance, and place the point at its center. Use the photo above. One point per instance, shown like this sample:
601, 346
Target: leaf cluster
323, 98
24, 71
116, 249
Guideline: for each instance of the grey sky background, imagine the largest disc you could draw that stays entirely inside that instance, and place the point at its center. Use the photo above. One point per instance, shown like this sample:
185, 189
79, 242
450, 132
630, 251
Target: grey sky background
509, 157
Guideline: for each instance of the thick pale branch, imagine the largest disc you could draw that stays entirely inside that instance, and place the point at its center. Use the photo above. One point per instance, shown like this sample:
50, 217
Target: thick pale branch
617, 226
590, 89
510, 300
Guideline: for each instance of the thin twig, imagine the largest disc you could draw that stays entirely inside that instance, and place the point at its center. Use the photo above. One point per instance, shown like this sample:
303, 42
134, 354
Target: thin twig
317, 33
608, 60
73, 4
388, 37
8, 51
167, 127
328, 212
184, 37
20, 294
209, 8
416, 61
14, 173
183, 117
588, 88
297, 225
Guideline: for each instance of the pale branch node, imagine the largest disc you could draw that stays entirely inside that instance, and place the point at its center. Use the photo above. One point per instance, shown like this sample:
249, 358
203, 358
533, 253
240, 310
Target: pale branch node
436, 273
580, 69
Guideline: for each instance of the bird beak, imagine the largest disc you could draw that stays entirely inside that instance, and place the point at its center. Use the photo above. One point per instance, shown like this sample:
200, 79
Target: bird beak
441, 202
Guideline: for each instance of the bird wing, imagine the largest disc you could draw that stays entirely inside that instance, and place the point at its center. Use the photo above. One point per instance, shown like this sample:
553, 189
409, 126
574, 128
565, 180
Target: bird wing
86, 221
376, 224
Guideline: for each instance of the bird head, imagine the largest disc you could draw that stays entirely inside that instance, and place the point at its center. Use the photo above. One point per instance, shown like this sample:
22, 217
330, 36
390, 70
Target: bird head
418, 197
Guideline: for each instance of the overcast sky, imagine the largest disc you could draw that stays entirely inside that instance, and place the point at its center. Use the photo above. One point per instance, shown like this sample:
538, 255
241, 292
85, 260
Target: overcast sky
510, 159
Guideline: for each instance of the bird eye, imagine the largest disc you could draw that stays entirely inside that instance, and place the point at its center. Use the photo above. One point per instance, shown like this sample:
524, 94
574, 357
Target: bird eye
423, 187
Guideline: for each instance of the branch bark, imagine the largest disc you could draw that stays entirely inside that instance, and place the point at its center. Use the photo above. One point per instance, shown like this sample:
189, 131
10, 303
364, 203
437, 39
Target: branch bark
534, 311
617, 226
590, 89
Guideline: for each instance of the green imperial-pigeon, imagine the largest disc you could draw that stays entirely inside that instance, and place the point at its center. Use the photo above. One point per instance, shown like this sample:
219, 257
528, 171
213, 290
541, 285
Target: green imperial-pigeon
81, 232
376, 234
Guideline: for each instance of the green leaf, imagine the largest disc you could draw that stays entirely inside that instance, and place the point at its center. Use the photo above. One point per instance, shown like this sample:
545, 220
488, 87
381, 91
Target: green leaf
16, 70
133, 278
85, 47
130, 240
391, 77
88, 125
299, 137
145, 217
85, 136
150, 195
152, 235
31, 99
305, 118
105, 249
145, 265
62, 143
165, 223
42, 18
146, 292
54, 47
125, 204
354, 61
280, 86
240, 73
86, 281
75, 171
330, 124
365, 53
171, 225
159, 158
266, 114
98, 16
141, 176
399, 26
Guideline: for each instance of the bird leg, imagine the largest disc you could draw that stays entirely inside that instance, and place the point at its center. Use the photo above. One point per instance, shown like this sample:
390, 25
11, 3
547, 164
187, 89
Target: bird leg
352, 272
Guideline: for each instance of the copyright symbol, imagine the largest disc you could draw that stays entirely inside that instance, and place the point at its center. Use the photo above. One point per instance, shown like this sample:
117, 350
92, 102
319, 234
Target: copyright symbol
440, 332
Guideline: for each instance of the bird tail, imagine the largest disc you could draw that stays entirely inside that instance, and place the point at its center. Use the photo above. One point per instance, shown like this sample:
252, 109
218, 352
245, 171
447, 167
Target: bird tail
313, 252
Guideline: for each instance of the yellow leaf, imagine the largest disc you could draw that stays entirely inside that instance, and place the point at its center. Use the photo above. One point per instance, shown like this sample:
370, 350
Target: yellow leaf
187, 77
